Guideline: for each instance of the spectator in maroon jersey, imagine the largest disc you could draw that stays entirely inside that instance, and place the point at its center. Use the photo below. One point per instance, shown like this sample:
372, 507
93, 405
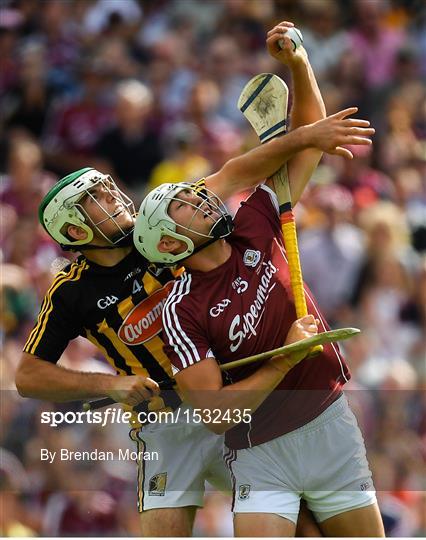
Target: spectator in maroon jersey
131, 148
26, 182
25, 105
74, 127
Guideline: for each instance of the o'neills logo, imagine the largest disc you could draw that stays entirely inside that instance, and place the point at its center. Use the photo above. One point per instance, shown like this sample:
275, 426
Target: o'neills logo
144, 321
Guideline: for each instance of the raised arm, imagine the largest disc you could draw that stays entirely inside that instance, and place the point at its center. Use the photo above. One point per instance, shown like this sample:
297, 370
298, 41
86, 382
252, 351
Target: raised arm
307, 103
255, 166
311, 132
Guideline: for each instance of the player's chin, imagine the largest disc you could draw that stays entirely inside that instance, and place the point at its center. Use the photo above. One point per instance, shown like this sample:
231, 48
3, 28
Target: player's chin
125, 220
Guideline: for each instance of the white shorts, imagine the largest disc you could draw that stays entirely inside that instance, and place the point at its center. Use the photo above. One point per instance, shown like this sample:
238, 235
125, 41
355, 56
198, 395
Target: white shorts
323, 462
188, 456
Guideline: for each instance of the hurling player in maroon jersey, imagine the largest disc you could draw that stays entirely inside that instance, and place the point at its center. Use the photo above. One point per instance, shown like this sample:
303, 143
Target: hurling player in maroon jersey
104, 296
288, 429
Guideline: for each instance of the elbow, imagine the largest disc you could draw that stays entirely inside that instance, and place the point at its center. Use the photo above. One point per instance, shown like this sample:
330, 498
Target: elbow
25, 377
218, 429
22, 384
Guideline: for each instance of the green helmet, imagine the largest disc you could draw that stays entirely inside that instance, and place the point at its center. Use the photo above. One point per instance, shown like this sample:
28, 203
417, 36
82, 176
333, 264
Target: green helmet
61, 207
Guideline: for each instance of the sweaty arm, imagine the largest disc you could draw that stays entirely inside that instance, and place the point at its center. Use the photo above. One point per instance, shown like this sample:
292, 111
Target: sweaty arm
58, 323
326, 135
40, 379
311, 134
307, 103
253, 167
308, 109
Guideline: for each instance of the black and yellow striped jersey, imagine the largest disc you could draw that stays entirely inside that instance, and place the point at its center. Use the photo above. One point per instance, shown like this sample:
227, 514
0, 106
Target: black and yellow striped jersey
117, 308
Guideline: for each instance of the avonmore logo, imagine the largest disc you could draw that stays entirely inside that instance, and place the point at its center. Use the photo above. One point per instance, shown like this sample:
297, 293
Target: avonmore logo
144, 321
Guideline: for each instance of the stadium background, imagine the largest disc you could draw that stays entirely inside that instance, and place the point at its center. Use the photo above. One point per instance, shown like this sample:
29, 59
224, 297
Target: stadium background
361, 223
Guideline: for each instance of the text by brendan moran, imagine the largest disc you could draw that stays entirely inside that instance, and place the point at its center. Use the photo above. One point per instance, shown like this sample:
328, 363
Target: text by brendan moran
97, 455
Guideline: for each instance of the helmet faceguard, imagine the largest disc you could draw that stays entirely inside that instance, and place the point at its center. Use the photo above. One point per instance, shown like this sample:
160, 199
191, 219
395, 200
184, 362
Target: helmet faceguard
62, 207
153, 222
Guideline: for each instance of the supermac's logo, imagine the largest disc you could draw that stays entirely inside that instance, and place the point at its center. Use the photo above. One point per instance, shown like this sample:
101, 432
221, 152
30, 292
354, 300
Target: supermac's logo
144, 321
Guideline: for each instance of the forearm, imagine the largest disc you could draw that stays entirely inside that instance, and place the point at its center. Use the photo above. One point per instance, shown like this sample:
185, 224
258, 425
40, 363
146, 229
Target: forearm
308, 105
261, 162
43, 380
247, 394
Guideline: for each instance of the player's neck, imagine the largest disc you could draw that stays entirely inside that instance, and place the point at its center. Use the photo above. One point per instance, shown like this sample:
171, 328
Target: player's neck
107, 257
210, 258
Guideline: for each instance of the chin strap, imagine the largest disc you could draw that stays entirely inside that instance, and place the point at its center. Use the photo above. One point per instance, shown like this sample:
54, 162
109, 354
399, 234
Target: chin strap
223, 227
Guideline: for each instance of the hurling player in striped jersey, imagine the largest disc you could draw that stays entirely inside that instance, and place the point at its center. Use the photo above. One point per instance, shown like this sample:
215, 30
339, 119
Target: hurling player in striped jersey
111, 297
298, 438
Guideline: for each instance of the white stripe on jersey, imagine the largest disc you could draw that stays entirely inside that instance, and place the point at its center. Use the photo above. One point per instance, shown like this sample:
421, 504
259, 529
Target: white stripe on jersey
181, 342
332, 344
167, 321
272, 196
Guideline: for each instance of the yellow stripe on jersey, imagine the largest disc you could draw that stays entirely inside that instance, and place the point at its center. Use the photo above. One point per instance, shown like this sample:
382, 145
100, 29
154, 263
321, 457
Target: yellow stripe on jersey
124, 307
47, 305
199, 185
95, 342
151, 284
45, 302
125, 353
155, 347
178, 271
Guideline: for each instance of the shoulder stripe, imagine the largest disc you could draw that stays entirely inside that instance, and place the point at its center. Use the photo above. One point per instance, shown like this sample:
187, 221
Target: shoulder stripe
59, 277
183, 346
272, 196
73, 275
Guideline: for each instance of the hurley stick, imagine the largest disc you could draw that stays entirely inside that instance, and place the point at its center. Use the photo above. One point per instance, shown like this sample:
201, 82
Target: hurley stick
263, 102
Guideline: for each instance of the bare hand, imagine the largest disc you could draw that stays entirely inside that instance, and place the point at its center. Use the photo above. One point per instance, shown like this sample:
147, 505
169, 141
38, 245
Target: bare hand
302, 328
336, 130
133, 389
284, 54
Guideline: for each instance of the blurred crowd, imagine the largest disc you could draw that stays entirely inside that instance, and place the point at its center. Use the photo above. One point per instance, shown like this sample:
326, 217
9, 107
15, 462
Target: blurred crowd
147, 90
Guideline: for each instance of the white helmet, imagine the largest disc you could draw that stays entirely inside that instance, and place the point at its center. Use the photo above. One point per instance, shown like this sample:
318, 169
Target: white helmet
61, 207
153, 222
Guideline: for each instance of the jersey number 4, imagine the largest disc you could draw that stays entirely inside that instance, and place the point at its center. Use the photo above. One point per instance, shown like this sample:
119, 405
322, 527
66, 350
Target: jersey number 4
136, 287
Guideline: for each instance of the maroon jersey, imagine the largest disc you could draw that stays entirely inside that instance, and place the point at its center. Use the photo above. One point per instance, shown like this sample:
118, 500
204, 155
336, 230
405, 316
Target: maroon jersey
244, 307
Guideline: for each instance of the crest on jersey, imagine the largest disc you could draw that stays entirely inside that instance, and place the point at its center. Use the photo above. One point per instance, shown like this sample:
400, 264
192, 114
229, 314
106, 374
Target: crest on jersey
251, 257
244, 492
157, 485
144, 320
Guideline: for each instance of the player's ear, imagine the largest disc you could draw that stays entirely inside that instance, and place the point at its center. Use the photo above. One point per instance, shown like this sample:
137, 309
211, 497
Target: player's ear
76, 233
168, 244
